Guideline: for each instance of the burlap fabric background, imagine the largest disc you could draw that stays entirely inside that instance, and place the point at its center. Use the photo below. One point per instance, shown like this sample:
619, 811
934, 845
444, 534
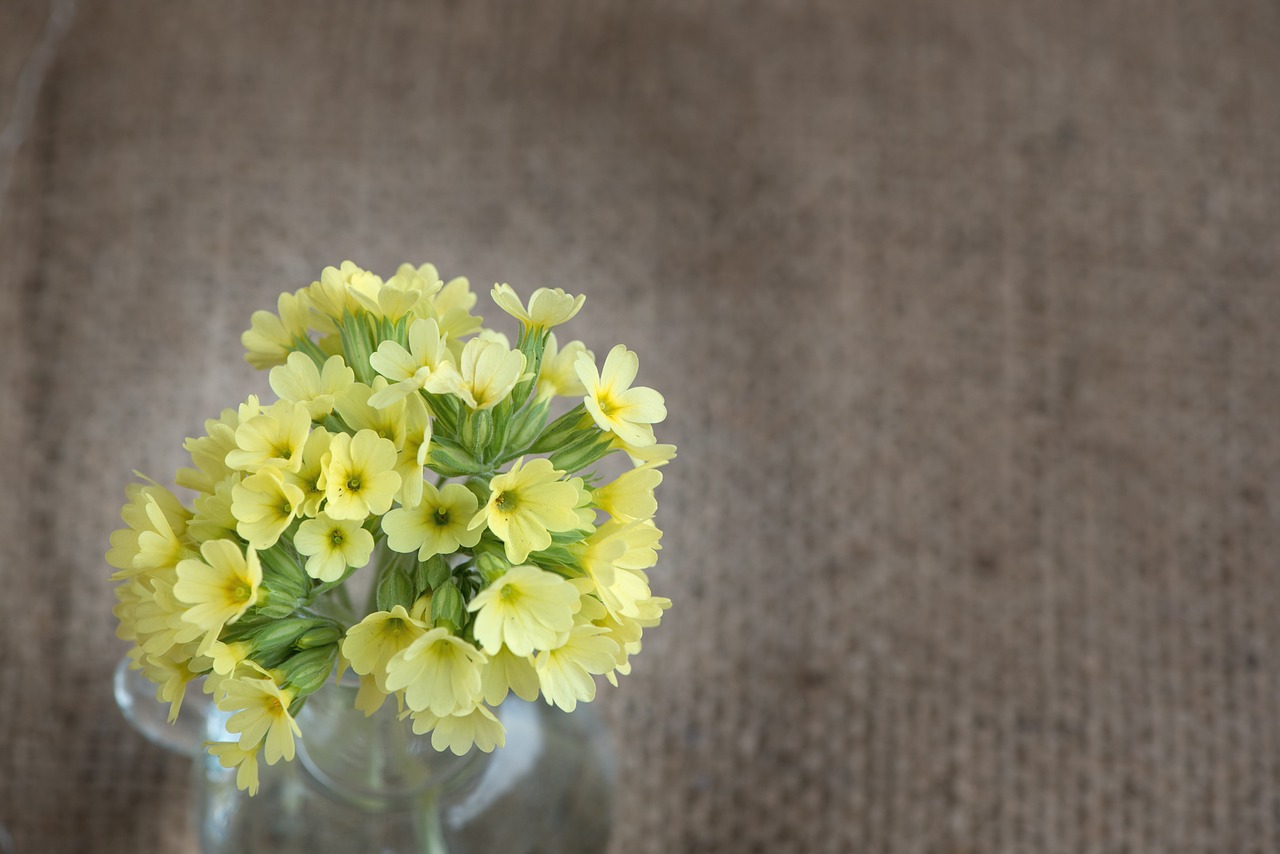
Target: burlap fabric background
968, 320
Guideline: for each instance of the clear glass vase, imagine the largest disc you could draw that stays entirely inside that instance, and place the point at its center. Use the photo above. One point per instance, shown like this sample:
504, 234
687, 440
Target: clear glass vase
368, 784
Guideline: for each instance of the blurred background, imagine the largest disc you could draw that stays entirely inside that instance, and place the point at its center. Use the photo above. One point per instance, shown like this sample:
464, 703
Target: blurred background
967, 317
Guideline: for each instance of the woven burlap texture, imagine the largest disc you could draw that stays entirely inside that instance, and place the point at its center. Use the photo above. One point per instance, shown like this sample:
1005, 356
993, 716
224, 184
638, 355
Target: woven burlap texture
968, 320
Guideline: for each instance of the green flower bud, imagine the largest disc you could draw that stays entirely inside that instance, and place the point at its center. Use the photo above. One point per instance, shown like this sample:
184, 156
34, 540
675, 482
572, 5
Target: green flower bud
561, 431
527, 424
452, 461
431, 573
447, 607
581, 453
477, 430
492, 566
319, 636
307, 671
395, 588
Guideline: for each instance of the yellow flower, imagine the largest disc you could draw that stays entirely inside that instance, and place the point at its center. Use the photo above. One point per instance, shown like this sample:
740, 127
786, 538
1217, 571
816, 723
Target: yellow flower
614, 558
218, 589
558, 374
271, 338
172, 675
564, 673
616, 406
437, 525
261, 714
548, 307
264, 504
209, 453
402, 293
332, 545
527, 608
526, 504
273, 437
506, 672
375, 640
354, 407
652, 454
413, 454
310, 474
231, 755
630, 496
341, 288
359, 475
213, 519
486, 373
452, 309
458, 733
409, 369
300, 381
156, 523
438, 672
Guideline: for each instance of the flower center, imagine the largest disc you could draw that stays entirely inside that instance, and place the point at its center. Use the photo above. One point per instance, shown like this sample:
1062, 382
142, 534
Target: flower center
506, 501
337, 537
441, 517
353, 483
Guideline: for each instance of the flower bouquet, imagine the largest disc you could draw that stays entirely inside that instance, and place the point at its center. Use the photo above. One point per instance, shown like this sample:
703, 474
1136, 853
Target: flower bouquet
409, 509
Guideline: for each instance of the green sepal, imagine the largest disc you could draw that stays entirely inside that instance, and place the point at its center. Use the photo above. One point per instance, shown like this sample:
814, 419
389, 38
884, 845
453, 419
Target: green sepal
308, 670
561, 431
395, 587
447, 607
589, 448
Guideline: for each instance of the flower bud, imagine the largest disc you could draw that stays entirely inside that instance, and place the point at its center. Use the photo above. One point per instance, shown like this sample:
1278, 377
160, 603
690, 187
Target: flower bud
319, 636
590, 448
452, 461
561, 431
527, 424
447, 607
492, 566
477, 430
307, 671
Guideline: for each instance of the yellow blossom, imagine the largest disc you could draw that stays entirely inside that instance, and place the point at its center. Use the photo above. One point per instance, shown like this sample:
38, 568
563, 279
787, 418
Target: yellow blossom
486, 373
332, 545
300, 381
525, 609
615, 405
436, 525
231, 755
564, 673
273, 437
452, 310
558, 374
209, 453
213, 519
219, 588
154, 539
458, 733
271, 338
630, 496
264, 504
359, 475
375, 640
526, 505
438, 672
341, 288
507, 672
388, 421
410, 369
413, 454
652, 454
548, 307
261, 714
310, 474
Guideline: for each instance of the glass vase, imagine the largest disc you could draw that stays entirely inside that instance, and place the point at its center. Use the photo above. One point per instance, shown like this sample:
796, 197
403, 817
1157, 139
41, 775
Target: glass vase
369, 784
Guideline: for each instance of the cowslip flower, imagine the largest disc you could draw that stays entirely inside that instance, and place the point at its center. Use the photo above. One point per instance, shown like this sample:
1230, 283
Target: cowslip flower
630, 496
524, 609
261, 714
505, 672
375, 640
410, 369
558, 376
439, 672
331, 545
437, 525
486, 373
263, 505
219, 588
300, 381
526, 505
359, 475
614, 404
271, 338
548, 307
231, 755
564, 673
272, 437
458, 733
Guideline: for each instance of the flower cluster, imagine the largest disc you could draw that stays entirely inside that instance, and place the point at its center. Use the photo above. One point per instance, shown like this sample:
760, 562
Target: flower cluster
411, 461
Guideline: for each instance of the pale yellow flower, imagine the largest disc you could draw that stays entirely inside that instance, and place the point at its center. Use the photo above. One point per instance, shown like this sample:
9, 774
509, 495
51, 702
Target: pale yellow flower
558, 374
630, 496
341, 289
359, 475
525, 609
486, 373
271, 337
388, 421
436, 525
209, 453
452, 310
548, 307
478, 727
438, 672
231, 755
273, 437
526, 504
652, 454
564, 673
331, 545
154, 538
261, 714
300, 381
171, 675
375, 640
264, 504
213, 519
615, 405
506, 672
219, 588
614, 558
310, 474
410, 369
412, 456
